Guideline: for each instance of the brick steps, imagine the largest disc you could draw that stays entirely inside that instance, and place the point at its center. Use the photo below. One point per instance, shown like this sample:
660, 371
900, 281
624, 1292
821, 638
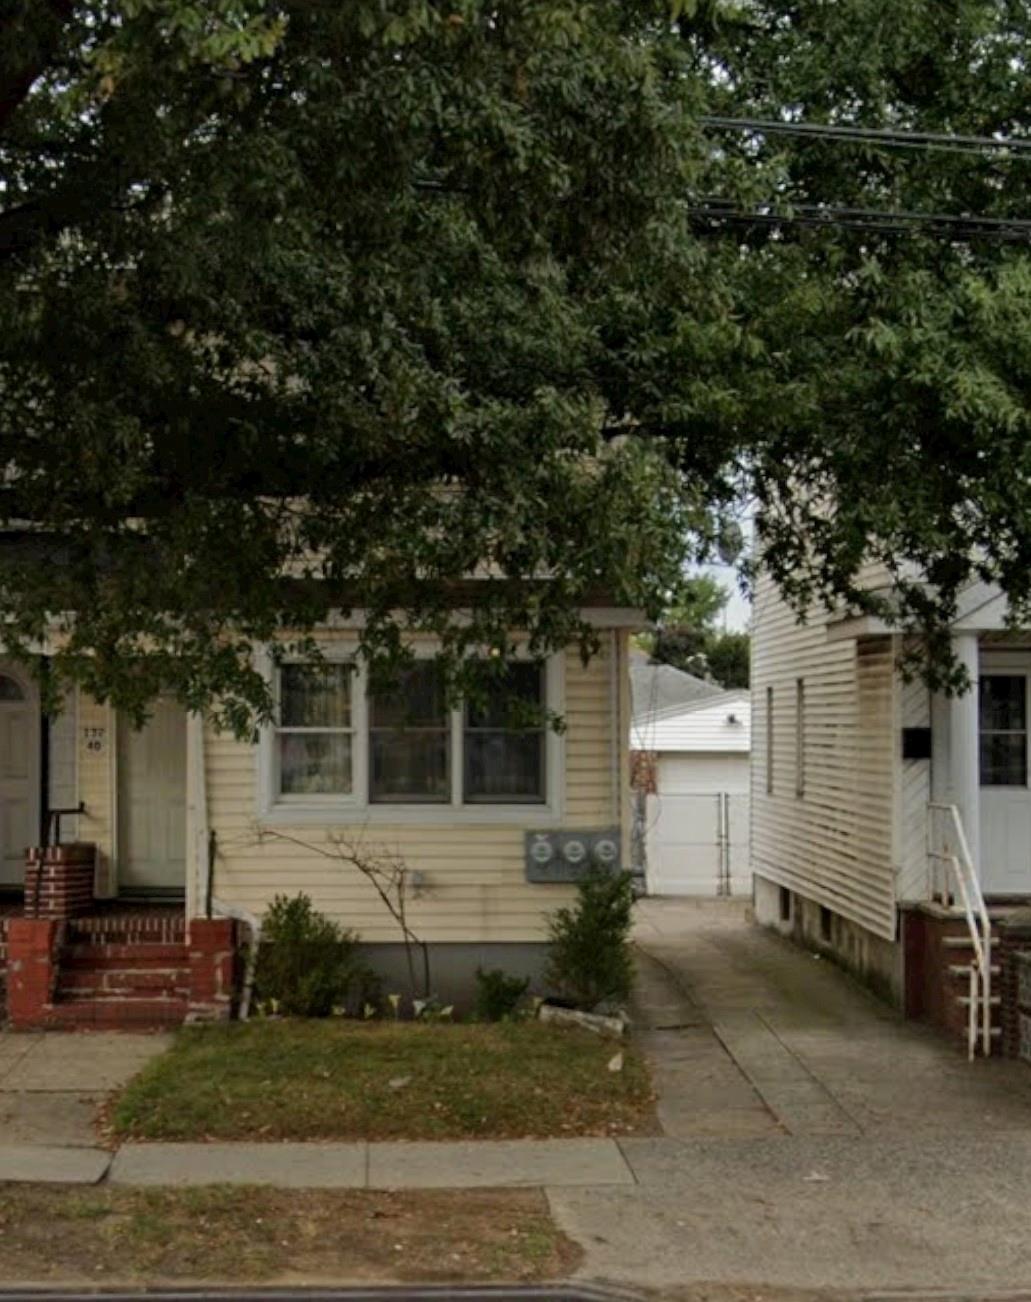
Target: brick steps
123, 956
132, 971
122, 975
131, 982
939, 959
117, 1014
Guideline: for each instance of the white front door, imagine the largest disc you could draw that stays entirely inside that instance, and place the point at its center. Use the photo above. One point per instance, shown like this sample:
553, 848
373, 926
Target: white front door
152, 801
19, 772
1004, 764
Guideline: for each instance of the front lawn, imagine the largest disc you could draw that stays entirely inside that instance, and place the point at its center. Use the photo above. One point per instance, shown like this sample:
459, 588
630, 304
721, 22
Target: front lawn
230, 1234
300, 1080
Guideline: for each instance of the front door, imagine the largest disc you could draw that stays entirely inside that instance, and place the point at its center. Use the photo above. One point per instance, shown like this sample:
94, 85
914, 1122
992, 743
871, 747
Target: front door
19, 773
152, 801
1005, 793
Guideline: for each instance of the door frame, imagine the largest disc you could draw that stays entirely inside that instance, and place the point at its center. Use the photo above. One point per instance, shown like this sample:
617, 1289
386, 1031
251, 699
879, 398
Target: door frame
27, 683
1005, 662
119, 725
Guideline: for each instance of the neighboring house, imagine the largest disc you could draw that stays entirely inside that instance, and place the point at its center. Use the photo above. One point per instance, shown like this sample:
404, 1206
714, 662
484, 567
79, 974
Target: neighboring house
690, 742
872, 797
186, 821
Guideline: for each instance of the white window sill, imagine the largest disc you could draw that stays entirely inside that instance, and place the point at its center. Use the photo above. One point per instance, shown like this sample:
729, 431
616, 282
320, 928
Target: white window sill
428, 815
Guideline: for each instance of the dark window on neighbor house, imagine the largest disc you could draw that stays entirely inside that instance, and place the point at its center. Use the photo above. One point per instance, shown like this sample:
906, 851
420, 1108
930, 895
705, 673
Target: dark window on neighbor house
826, 924
503, 739
410, 739
1003, 730
769, 741
785, 904
314, 735
799, 738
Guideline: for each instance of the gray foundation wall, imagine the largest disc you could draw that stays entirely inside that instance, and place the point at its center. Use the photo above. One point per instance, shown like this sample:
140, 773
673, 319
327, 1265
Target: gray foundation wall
453, 967
876, 962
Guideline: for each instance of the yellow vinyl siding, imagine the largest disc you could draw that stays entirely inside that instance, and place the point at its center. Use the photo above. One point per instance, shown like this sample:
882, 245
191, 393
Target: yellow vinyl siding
836, 843
96, 785
475, 888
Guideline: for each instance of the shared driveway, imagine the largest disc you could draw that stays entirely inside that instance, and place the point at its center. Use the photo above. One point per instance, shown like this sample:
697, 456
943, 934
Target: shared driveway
812, 1138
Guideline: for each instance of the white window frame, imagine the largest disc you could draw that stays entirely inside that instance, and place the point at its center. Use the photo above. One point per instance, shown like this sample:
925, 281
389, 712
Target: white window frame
345, 810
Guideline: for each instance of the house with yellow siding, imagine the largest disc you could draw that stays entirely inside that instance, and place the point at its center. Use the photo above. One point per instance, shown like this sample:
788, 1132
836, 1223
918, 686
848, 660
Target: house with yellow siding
491, 818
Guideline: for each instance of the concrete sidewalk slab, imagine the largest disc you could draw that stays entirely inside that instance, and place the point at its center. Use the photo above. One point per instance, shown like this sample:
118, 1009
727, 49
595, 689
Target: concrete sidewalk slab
58, 1120
37, 1164
287, 1166
486, 1164
84, 1064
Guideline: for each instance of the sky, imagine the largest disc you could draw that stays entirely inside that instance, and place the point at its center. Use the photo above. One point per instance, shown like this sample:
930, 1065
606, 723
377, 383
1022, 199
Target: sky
738, 610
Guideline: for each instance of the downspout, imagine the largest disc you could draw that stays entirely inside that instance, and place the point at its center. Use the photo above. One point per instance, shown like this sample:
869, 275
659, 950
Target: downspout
614, 733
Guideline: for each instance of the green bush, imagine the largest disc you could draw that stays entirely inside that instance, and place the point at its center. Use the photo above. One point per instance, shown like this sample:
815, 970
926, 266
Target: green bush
590, 959
307, 964
498, 995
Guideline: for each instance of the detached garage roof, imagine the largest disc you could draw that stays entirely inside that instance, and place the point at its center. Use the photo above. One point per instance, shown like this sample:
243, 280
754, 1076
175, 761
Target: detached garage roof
718, 723
656, 688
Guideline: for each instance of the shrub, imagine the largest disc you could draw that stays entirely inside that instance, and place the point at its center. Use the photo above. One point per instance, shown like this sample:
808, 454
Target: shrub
307, 964
590, 959
498, 995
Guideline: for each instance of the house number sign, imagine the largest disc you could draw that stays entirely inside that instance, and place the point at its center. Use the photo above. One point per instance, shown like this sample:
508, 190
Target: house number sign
95, 740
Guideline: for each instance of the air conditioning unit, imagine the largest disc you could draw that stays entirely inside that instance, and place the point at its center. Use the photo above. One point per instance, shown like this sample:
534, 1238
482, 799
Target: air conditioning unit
558, 856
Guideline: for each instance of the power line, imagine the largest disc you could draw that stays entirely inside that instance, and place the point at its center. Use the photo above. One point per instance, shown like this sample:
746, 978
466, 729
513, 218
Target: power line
955, 226
891, 137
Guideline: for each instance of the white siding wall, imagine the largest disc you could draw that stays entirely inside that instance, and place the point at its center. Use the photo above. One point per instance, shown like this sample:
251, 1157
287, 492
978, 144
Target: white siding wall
914, 795
697, 728
475, 884
835, 843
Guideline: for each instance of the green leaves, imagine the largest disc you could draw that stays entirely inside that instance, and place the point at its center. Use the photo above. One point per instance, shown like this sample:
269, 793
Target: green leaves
307, 308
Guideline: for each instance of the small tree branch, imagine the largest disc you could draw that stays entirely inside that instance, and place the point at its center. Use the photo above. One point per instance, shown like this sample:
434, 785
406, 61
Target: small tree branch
18, 80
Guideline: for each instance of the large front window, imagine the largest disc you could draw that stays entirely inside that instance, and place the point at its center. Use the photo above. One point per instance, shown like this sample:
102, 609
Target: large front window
339, 746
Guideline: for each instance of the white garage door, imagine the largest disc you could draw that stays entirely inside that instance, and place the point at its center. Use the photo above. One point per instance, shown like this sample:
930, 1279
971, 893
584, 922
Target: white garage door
696, 840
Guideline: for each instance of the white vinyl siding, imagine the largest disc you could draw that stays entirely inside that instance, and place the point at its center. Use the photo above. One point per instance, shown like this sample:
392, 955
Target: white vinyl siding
837, 845
914, 795
799, 737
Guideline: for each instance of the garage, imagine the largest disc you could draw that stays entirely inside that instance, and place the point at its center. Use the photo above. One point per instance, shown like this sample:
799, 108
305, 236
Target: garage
692, 797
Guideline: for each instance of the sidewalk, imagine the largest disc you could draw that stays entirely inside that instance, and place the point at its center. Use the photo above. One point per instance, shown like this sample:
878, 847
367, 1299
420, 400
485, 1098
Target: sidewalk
557, 1163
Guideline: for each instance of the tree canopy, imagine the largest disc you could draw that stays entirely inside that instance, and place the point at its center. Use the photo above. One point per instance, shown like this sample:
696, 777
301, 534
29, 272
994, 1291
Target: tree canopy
690, 636
308, 306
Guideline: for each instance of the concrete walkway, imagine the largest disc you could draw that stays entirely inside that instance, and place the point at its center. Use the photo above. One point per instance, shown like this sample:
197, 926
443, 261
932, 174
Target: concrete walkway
52, 1085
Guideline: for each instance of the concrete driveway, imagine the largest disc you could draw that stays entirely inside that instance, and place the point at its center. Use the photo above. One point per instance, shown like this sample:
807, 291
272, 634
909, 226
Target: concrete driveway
813, 1139
51, 1084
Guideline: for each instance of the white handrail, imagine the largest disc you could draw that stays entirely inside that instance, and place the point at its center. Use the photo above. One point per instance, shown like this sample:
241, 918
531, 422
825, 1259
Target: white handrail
947, 846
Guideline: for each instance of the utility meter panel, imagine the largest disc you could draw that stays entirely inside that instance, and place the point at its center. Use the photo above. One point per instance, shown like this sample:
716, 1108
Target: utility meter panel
565, 856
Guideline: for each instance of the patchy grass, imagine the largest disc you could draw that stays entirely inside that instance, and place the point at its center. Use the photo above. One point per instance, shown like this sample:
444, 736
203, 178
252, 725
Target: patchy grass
346, 1080
228, 1233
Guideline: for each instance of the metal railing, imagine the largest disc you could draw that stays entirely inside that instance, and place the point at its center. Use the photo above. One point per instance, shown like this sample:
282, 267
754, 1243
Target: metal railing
952, 875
